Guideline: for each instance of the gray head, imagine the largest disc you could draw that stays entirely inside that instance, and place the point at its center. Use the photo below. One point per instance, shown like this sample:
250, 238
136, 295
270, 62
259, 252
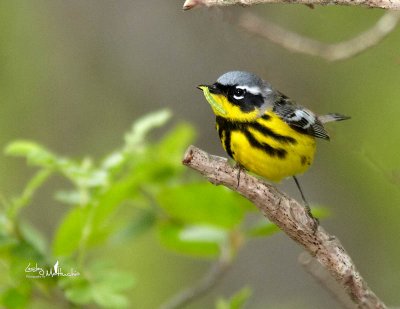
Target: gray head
241, 78
245, 90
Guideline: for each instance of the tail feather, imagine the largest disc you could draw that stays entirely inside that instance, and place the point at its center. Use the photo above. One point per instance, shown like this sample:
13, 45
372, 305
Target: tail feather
332, 117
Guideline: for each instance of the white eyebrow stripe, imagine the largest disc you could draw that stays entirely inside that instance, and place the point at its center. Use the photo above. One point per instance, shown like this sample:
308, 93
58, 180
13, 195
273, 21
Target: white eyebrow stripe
253, 90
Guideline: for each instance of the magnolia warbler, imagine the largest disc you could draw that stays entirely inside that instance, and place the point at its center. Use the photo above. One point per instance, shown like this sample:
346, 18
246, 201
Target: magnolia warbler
263, 130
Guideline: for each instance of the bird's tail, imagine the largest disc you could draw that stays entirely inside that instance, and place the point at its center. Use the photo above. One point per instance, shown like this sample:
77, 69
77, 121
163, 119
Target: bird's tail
332, 117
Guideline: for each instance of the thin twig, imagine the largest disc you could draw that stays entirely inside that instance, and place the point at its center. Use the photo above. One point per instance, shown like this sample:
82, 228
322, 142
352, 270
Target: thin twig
383, 4
314, 268
216, 272
292, 218
332, 52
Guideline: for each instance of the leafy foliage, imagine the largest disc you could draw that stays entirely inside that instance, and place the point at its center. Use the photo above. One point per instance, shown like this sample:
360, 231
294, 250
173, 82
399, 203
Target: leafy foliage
147, 178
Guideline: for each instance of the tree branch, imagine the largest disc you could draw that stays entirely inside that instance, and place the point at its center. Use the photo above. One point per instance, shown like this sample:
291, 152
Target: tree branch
383, 4
292, 218
332, 52
210, 279
314, 268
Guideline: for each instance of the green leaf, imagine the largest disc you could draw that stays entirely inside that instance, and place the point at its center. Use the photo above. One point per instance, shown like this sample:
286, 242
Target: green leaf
7, 242
25, 251
116, 280
80, 293
7, 237
203, 233
142, 126
34, 153
33, 185
105, 293
106, 297
237, 301
95, 178
142, 222
109, 202
203, 203
13, 298
114, 196
101, 284
113, 161
320, 212
97, 226
173, 145
33, 236
198, 240
69, 197
69, 233
82, 174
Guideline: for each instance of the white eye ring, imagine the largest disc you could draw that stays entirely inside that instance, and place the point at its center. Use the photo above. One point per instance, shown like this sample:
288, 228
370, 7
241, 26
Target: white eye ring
239, 93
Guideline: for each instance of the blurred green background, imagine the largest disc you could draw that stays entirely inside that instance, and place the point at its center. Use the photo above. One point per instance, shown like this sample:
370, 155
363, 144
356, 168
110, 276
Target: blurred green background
76, 74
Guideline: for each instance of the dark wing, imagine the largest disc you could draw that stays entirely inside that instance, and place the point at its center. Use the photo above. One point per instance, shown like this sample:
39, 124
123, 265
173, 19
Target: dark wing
298, 117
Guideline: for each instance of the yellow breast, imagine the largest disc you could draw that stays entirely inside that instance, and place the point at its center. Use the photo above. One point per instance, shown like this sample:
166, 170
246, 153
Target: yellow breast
267, 146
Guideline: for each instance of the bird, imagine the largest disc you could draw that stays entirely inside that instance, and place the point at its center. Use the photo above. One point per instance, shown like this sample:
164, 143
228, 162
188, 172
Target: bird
264, 131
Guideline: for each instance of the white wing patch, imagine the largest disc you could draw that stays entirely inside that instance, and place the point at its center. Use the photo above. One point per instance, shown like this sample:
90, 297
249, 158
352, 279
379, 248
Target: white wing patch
299, 117
303, 116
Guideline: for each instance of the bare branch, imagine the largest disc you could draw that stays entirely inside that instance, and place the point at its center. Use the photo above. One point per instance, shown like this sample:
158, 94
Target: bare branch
332, 52
383, 4
292, 218
314, 268
210, 279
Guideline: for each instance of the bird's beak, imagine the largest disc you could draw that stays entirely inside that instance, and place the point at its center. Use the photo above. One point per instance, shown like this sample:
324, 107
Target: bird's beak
212, 88
209, 92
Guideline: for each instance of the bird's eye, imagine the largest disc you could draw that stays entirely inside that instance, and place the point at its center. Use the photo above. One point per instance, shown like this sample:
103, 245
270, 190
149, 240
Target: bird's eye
239, 93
